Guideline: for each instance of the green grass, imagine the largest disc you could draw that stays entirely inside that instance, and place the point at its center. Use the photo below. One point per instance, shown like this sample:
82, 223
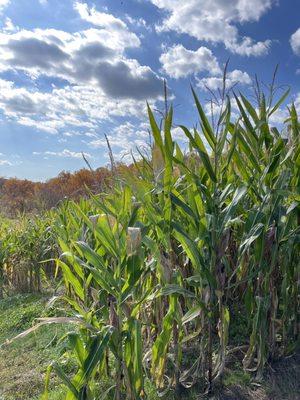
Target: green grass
18, 313
23, 362
237, 377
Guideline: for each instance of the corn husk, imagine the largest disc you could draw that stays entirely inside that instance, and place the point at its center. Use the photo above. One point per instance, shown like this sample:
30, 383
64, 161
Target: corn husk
134, 239
158, 163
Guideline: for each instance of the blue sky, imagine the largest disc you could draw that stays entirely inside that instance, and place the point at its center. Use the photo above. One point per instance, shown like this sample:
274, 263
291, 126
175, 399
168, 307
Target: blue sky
72, 71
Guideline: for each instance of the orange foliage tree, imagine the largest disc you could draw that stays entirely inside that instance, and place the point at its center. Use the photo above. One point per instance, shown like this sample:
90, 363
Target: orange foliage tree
18, 195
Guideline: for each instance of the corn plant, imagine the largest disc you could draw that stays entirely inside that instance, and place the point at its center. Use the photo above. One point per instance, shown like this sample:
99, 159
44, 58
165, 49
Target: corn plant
103, 268
159, 265
25, 243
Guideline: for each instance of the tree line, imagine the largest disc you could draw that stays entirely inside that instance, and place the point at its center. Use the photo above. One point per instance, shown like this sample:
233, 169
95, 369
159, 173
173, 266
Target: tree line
26, 196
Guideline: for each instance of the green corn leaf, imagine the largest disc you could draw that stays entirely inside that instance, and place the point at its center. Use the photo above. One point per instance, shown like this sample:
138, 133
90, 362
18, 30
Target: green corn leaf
71, 279
251, 110
193, 313
96, 351
193, 253
178, 202
171, 289
248, 125
77, 346
155, 130
207, 129
59, 371
199, 146
279, 102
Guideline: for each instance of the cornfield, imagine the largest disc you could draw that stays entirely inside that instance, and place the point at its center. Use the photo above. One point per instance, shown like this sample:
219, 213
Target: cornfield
25, 243
165, 262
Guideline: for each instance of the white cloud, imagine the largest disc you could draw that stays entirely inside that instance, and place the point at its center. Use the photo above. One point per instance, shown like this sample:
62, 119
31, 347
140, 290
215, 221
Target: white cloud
3, 5
91, 134
97, 81
5, 163
76, 106
64, 153
138, 22
94, 56
10, 160
178, 134
214, 21
248, 47
295, 42
215, 82
179, 62
279, 116
297, 102
124, 140
9, 26
81, 57
117, 29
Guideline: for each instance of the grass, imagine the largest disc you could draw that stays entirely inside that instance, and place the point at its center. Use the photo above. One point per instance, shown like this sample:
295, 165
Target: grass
23, 363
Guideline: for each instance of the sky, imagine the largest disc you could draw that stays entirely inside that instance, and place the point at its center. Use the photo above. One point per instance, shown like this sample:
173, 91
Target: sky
72, 71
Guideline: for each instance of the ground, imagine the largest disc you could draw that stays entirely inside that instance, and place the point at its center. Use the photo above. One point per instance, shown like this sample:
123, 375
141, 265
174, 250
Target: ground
24, 362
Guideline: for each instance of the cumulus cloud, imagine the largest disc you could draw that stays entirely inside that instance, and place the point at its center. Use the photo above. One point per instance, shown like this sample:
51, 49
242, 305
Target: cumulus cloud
84, 57
179, 135
29, 52
179, 62
215, 21
97, 81
93, 56
127, 77
107, 21
297, 102
295, 42
215, 82
76, 106
117, 28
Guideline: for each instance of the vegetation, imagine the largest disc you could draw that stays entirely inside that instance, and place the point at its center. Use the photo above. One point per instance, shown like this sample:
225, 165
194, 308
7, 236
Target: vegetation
19, 196
23, 364
26, 243
189, 260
